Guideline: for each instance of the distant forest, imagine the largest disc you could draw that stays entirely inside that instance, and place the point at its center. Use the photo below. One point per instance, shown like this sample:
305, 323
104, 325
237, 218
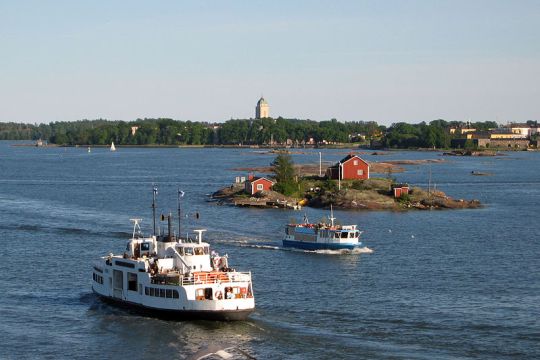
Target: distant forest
237, 132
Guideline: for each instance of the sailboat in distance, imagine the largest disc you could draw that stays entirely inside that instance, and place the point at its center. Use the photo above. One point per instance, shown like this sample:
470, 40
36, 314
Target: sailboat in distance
113, 148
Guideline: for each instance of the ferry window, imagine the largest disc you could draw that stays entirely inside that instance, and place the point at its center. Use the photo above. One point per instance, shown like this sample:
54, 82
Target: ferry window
161, 292
356, 234
344, 234
151, 291
169, 293
208, 293
198, 251
175, 294
98, 278
189, 251
132, 281
146, 291
125, 264
205, 250
199, 294
145, 247
181, 251
94, 276
336, 235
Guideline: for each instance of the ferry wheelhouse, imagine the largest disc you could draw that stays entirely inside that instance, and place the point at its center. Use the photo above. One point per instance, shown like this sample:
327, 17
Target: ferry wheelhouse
174, 278
322, 236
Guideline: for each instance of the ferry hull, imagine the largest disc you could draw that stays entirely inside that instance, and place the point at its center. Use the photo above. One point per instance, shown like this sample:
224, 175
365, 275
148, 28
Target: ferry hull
318, 246
180, 315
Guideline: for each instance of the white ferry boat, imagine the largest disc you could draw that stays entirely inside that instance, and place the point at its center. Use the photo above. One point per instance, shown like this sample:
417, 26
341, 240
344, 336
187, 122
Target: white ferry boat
174, 278
322, 236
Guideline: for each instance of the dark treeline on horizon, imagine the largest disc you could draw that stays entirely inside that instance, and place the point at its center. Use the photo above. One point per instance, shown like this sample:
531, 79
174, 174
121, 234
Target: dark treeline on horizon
237, 131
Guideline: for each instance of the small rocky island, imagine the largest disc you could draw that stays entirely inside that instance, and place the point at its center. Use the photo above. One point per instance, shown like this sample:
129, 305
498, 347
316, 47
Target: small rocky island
309, 189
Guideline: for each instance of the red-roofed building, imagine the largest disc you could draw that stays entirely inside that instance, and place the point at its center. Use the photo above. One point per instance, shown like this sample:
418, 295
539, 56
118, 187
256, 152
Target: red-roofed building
255, 184
350, 167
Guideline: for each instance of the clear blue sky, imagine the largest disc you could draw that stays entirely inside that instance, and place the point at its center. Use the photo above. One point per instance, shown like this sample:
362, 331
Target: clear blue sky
385, 61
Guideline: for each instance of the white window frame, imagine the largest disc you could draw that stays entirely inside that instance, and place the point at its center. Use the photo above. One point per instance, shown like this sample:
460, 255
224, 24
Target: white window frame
260, 187
355, 162
360, 172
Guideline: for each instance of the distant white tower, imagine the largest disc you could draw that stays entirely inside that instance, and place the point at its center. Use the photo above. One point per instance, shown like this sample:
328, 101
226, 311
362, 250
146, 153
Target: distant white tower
262, 110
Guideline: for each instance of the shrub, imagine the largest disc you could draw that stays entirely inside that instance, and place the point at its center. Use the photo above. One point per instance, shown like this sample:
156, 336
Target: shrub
404, 198
329, 185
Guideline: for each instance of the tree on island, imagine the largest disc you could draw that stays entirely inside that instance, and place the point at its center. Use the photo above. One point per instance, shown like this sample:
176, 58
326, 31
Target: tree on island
284, 174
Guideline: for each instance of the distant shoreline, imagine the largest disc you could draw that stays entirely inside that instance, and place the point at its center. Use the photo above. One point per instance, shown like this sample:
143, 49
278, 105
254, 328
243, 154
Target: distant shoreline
351, 146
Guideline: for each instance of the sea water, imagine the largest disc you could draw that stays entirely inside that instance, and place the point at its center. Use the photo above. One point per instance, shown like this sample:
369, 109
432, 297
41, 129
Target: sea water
454, 284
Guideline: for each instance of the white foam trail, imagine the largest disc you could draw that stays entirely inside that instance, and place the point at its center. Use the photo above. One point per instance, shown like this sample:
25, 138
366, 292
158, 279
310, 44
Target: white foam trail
364, 250
268, 247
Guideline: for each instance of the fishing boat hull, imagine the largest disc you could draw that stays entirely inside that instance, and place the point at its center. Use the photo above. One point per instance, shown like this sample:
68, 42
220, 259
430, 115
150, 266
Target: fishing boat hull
319, 246
178, 315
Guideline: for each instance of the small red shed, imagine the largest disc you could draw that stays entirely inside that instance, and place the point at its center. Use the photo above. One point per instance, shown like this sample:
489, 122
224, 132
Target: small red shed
350, 167
256, 184
400, 190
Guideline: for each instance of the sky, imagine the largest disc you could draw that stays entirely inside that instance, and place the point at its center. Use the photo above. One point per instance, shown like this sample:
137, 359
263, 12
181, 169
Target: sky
385, 61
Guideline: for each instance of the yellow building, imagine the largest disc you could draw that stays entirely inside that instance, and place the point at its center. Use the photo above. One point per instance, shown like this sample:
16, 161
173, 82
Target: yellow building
505, 135
262, 110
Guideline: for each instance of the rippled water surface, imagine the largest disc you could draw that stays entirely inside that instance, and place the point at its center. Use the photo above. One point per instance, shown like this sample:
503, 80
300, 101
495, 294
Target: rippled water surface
457, 284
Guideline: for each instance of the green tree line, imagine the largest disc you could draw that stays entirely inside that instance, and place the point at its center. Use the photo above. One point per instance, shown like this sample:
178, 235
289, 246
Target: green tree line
435, 134
236, 132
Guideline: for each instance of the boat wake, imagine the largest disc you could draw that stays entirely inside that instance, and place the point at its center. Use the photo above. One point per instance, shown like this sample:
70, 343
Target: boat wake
247, 244
267, 247
363, 250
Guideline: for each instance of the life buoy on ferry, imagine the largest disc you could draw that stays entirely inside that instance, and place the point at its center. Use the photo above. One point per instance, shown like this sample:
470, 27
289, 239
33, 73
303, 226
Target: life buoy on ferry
218, 295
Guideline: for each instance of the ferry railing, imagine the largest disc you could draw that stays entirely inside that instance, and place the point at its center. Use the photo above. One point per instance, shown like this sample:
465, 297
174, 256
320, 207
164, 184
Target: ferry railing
215, 278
